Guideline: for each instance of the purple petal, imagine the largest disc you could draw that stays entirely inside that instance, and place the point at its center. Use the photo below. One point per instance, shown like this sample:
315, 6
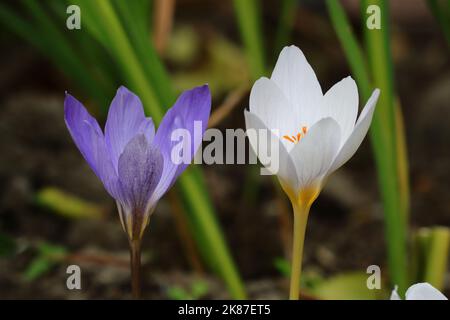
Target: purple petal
140, 169
192, 106
88, 137
126, 119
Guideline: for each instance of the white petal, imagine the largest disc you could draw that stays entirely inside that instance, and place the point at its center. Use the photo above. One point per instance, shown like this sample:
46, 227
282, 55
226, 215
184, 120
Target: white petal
356, 137
268, 102
286, 168
295, 77
341, 103
314, 154
424, 291
394, 294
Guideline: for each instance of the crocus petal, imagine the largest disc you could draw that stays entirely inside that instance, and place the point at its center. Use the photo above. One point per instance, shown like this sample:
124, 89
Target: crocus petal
140, 169
126, 119
341, 103
424, 291
191, 108
394, 294
286, 168
314, 154
295, 77
269, 103
355, 139
88, 137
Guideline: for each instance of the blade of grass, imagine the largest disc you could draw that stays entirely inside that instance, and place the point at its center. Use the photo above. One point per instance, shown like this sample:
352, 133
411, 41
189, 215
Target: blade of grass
95, 58
211, 236
437, 257
248, 13
402, 161
285, 23
383, 131
378, 51
110, 26
380, 59
420, 241
62, 55
249, 20
430, 256
147, 54
52, 35
349, 44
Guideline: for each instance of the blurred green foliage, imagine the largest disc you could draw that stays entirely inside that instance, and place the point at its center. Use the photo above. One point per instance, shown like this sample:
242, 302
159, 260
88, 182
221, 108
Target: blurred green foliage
223, 65
430, 255
347, 286
351, 285
372, 68
197, 290
67, 205
47, 256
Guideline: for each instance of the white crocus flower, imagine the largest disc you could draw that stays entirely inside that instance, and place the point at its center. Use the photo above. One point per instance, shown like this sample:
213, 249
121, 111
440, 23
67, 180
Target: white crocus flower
420, 291
316, 133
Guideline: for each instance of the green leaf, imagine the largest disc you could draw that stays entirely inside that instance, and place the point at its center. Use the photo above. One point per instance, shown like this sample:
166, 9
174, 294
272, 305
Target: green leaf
178, 293
431, 249
51, 251
37, 268
386, 141
67, 205
199, 289
248, 13
346, 286
48, 255
283, 267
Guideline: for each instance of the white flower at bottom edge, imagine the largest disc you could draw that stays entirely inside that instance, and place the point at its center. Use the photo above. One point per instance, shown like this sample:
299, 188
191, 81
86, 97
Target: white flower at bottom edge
420, 291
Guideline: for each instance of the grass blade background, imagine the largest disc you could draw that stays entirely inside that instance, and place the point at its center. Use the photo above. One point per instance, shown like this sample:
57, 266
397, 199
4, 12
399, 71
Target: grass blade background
385, 118
248, 13
430, 255
285, 24
383, 129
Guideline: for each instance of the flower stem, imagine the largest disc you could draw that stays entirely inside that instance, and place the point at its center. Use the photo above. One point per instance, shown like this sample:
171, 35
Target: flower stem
301, 212
135, 266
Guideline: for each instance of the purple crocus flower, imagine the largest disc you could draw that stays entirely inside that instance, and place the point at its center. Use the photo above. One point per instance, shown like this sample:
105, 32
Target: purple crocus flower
133, 162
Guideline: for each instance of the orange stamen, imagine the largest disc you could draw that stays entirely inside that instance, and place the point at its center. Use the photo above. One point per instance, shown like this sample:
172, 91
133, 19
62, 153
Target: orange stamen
296, 138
